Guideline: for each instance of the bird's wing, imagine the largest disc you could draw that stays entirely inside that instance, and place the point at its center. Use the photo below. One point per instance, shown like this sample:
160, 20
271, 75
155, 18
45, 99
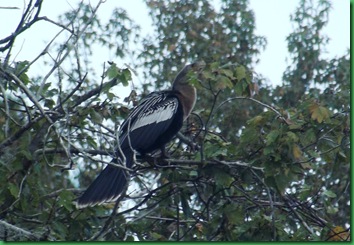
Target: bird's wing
150, 125
148, 122
146, 103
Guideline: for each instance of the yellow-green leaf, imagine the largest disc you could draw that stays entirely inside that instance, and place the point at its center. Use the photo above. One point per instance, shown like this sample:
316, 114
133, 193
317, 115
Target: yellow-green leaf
319, 113
297, 153
256, 120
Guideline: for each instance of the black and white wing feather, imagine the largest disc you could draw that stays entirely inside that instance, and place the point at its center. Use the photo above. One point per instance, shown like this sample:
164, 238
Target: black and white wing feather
146, 126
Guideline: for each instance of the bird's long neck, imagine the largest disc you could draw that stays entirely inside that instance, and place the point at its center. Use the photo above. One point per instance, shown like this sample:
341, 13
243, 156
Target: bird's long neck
187, 95
186, 92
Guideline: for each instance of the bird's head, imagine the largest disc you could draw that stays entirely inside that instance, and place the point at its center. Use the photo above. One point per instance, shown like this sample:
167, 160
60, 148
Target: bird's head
182, 76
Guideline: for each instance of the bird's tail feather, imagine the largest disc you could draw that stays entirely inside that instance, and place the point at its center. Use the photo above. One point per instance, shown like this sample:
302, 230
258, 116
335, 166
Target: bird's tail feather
105, 188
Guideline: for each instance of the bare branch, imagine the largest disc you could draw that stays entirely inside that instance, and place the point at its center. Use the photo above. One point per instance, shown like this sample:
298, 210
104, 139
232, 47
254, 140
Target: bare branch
9, 8
56, 23
7, 111
70, 47
19, 231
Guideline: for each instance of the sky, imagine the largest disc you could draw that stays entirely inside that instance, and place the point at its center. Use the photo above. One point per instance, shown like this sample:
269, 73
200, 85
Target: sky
272, 21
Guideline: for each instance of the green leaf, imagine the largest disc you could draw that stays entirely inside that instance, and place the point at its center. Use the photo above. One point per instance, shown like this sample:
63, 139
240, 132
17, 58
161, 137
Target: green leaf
239, 88
208, 75
282, 181
157, 236
46, 87
214, 66
223, 82
20, 68
110, 96
233, 213
272, 136
193, 174
122, 75
113, 71
309, 137
14, 190
294, 126
129, 239
24, 78
91, 141
127, 76
215, 151
66, 200
49, 103
269, 150
222, 179
240, 73
60, 228
28, 155
305, 191
227, 73
329, 193
292, 137
249, 135
332, 210
306, 165
96, 117
257, 120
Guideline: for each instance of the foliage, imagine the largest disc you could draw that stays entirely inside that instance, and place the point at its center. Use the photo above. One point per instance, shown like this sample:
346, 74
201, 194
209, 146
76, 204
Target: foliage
200, 31
253, 162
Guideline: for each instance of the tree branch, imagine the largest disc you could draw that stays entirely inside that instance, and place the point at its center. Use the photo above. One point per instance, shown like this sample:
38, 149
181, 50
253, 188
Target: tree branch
256, 101
28, 93
19, 231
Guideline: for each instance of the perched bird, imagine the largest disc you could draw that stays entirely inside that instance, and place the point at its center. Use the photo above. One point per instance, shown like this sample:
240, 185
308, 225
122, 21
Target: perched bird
149, 126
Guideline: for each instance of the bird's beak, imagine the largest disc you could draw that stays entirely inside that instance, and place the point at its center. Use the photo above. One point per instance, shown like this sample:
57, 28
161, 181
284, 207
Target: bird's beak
198, 66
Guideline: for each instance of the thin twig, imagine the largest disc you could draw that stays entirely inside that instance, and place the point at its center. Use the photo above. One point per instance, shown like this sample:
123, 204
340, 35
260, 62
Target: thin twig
29, 94
69, 48
271, 205
256, 101
303, 222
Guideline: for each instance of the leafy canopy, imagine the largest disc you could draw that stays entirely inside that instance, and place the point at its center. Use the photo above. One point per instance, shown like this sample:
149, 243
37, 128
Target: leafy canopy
253, 162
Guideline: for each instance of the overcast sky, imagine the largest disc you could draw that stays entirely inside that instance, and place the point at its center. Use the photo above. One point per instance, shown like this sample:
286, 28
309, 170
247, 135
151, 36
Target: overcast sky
272, 21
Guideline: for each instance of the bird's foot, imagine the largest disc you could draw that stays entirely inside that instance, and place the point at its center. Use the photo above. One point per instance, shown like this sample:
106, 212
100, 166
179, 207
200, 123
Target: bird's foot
164, 154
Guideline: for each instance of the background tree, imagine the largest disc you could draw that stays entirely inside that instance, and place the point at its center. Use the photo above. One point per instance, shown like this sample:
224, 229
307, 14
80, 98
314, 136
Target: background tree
253, 163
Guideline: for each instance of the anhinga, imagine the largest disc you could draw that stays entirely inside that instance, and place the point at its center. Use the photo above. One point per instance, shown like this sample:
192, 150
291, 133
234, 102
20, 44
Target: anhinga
149, 126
